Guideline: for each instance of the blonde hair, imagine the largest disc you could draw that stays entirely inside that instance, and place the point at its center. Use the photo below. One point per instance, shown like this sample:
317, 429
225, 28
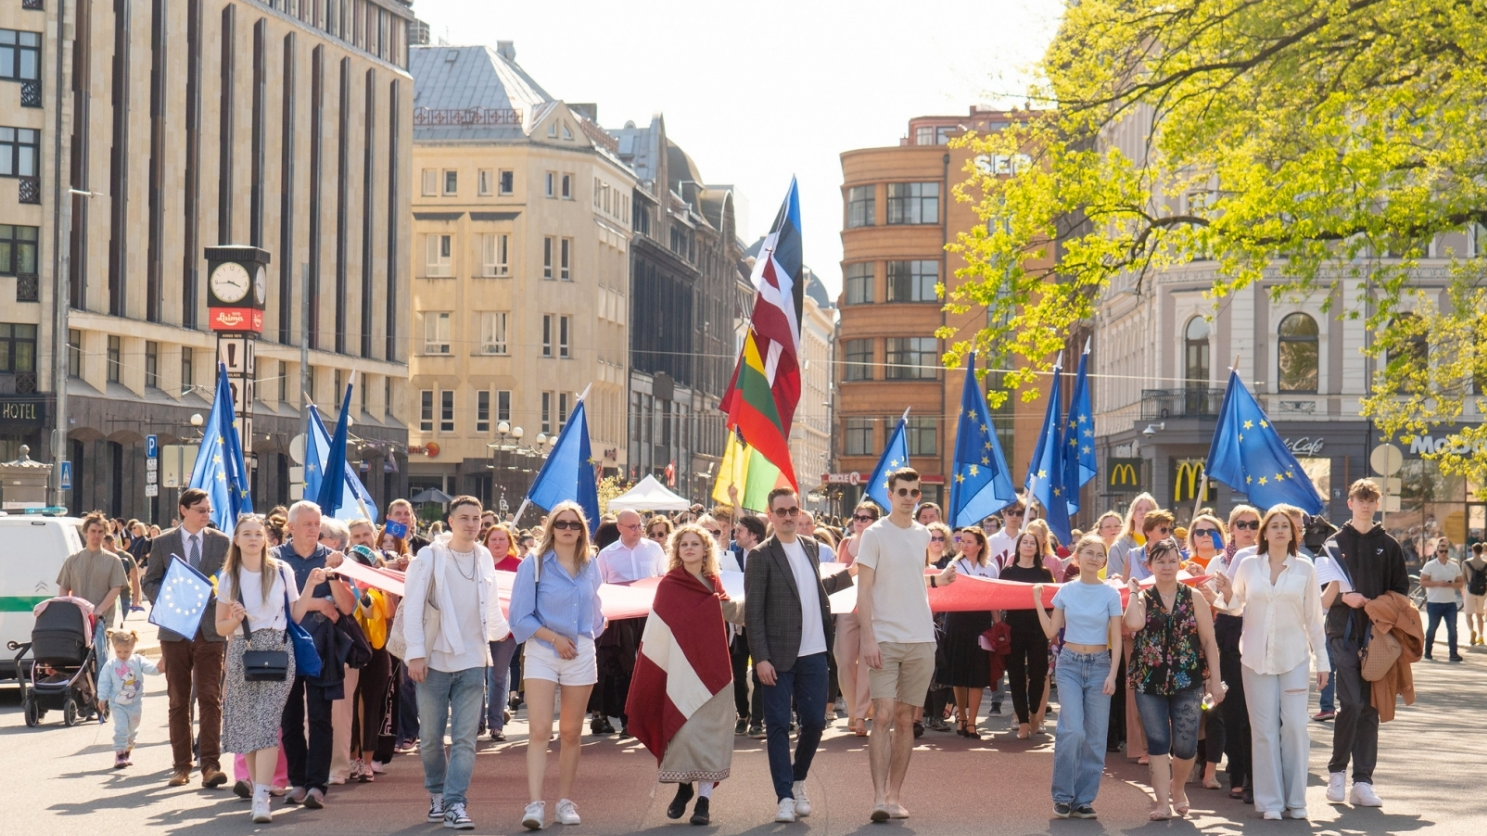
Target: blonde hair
709, 563
583, 547
1242, 509
123, 638
1093, 541
949, 537
233, 566
1128, 527
1039, 529
1223, 531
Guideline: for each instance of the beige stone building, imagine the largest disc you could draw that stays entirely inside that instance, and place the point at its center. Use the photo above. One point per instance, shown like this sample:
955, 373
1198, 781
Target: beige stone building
283, 124
520, 265
810, 436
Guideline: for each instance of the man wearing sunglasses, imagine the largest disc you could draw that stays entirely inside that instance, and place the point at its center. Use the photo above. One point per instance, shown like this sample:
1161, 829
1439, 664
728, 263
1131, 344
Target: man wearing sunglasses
999, 545
898, 635
788, 619
631, 558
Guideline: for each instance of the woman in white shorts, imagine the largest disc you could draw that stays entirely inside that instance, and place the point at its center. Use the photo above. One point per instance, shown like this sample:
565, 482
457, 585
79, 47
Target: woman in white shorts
555, 615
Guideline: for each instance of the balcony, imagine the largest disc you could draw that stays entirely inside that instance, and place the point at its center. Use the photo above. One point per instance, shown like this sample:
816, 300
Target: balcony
31, 94
30, 189
19, 383
1157, 404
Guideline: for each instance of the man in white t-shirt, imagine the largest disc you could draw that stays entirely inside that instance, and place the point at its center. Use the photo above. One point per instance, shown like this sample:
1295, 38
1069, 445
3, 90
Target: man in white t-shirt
999, 545
1441, 578
898, 635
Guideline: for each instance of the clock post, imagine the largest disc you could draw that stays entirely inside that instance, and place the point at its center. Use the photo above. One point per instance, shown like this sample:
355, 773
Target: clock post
237, 288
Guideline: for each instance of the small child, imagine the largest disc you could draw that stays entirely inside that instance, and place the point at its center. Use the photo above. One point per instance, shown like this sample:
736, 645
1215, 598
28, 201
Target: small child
121, 686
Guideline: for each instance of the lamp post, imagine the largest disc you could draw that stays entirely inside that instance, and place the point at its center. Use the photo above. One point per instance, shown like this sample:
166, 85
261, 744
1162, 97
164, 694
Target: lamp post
504, 431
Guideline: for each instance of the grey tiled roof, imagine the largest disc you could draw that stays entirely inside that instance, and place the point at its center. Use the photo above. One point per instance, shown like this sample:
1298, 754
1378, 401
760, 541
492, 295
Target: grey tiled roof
455, 78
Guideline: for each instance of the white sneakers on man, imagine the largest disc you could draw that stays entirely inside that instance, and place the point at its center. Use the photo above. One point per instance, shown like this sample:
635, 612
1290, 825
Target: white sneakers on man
1364, 796
1361, 796
786, 813
802, 801
1337, 787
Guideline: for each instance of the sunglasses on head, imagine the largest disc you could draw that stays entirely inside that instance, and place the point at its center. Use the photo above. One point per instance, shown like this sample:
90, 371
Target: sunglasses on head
567, 525
1252, 525
786, 512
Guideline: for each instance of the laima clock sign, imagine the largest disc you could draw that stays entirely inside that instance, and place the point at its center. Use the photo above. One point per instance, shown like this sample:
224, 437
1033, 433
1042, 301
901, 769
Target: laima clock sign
237, 288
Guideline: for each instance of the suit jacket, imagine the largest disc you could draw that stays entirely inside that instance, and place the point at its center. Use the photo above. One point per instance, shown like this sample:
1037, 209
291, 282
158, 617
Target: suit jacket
213, 554
772, 602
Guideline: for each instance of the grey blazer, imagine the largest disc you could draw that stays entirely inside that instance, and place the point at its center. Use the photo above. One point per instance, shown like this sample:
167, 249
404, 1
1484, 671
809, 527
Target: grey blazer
213, 554
772, 602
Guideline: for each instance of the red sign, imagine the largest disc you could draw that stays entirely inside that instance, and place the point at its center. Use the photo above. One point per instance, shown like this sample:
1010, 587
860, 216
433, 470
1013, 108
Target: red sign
431, 449
235, 319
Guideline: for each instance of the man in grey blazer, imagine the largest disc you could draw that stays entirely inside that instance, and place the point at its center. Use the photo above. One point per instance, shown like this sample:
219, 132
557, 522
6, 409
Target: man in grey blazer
196, 660
789, 624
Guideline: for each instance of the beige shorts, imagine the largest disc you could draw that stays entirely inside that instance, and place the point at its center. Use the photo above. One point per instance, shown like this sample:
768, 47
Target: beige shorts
1475, 604
906, 672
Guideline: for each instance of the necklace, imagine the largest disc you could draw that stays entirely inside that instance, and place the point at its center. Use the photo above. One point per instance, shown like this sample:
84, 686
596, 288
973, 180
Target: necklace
457, 555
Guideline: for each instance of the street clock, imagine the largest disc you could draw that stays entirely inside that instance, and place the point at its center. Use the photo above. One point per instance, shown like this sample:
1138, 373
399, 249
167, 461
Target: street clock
237, 288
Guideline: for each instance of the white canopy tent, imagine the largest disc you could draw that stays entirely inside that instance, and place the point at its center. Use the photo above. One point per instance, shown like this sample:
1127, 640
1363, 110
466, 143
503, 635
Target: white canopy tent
649, 495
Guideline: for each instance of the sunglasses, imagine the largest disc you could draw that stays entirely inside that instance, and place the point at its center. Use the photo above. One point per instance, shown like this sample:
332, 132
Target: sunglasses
786, 512
1012, 513
936, 538
567, 525
1443, 551
908, 492
1162, 529
1204, 532
867, 518
1252, 525
716, 532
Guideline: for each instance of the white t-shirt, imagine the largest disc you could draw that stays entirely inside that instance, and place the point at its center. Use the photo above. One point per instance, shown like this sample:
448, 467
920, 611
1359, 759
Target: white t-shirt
1437, 571
466, 601
619, 563
900, 599
999, 546
807, 577
262, 615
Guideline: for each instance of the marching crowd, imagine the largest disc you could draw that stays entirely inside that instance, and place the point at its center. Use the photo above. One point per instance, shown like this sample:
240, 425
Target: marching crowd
312, 679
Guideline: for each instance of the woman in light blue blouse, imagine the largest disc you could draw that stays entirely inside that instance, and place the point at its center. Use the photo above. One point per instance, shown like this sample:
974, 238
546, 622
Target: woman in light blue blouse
555, 615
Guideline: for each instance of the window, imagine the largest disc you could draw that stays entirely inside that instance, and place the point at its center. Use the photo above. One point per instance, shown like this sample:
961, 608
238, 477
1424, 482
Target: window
913, 203
75, 354
430, 182
565, 332
426, 411
547, 327
1195, 353
913, 281
862, 206
549, 244
567, 134
495, 255
17, 249
503, 404
284, 382
435, 333
483, 182
19, 152
508, 182
552, 129
859, 360
923, 434
565, 260
115, 359
440, 249
599, 189
17, 348
563, 410
1296, 355
152, 364
547, 412
924, 135
20, 55
446, 411
861, 283
451, 183
567, 187
912, 358
859, 441
493, 332
188, 367
483, 411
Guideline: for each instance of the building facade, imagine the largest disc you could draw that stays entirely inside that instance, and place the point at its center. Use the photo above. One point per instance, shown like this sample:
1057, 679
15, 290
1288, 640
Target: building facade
895, 225
810, 436
520, 273
163, 129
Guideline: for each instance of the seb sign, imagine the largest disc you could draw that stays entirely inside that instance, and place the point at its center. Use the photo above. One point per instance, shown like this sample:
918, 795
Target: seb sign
991, 164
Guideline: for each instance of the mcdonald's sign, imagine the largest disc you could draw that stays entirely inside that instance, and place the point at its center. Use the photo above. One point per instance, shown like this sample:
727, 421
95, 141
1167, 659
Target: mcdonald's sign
1123, 474
1187, 476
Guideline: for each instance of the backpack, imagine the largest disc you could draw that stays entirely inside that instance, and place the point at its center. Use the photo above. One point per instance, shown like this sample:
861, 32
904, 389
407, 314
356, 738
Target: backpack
1478, 583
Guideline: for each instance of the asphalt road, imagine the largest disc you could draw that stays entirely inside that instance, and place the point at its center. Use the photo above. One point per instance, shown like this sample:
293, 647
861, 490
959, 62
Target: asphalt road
56, 780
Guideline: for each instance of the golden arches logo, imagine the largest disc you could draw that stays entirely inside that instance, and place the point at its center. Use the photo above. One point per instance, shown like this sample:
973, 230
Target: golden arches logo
1123, 475
1188, 481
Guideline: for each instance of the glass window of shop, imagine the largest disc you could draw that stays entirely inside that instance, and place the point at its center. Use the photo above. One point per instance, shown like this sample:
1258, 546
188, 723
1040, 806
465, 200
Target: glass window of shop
1432, 504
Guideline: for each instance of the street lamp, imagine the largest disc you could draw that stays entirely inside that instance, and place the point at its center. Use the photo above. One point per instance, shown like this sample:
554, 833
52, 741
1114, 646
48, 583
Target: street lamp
504, 431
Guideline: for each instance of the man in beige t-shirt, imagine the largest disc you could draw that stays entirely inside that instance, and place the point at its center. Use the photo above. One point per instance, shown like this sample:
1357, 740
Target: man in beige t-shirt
95, 575
898, 635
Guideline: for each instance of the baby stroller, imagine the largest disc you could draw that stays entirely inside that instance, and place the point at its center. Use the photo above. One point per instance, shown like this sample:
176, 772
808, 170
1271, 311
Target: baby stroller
62, 672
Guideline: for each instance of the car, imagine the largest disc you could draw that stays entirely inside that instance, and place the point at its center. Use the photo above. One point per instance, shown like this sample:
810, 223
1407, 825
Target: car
35, 548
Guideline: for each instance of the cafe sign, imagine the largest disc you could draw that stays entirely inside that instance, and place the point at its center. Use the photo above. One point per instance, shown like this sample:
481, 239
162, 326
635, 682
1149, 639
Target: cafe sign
1305, 446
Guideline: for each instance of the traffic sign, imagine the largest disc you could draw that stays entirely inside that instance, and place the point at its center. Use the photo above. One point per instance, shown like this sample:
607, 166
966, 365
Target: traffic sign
151, 466
152, 447
151, 490
1386, 459
66, 476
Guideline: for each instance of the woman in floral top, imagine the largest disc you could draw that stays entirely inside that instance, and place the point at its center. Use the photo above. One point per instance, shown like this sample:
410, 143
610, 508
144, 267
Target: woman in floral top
1174, 654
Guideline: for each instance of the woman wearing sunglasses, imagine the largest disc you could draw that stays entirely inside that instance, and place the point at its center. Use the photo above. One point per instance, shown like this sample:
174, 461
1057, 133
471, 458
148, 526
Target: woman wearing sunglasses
1205, 541
850, 671
1228, 626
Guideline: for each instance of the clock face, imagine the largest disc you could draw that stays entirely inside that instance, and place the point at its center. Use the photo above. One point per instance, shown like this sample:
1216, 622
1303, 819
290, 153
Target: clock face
230, 283
260, 286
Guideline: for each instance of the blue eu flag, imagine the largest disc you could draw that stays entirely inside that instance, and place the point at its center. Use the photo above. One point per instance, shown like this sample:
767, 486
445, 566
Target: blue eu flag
981, 483
219, 468
568, 473
895, 456
1248, 455
1079, 436
184, 595
1046, 474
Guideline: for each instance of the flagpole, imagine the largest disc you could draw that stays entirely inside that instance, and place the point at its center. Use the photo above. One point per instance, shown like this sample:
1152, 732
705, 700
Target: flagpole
1203, 483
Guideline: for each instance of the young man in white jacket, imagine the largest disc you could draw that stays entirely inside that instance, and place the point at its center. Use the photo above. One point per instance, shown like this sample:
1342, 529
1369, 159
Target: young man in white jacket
450, 602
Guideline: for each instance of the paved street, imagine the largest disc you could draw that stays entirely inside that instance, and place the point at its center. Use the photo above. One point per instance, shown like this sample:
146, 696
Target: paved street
58, 780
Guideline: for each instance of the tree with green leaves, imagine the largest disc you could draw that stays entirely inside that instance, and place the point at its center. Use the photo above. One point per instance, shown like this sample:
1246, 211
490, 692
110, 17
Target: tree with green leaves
1319, 146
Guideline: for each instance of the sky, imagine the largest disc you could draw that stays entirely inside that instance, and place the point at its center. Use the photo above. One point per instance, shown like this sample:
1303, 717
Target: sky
758, 92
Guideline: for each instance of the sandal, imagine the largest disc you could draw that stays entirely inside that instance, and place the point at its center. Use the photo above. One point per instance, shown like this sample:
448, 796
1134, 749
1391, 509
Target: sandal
1159, 815
1215, 785
859, 727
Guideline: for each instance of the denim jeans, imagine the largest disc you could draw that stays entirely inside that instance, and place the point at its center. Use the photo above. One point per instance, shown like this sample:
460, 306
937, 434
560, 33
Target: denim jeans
1171, 722
451, 699
1083, 718
1437, 613
805, 685
498, 683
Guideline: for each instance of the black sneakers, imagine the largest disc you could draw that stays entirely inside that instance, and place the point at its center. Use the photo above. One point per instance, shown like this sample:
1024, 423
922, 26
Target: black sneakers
1062, 810
1084, 811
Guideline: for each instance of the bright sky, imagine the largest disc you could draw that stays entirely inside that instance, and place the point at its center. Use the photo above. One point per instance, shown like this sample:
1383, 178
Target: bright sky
756, 92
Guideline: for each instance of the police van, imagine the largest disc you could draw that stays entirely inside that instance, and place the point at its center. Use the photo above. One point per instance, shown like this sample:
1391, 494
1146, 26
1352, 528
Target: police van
35, 547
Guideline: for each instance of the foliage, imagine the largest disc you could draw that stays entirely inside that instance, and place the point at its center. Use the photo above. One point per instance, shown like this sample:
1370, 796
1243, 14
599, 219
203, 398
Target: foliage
609, 488
1314, 146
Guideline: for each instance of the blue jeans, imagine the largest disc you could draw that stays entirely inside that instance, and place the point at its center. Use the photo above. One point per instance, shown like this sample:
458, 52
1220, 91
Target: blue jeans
805, 686
1328, 702
498, 683
1438, 612
452, 698
1083, 722
102, 652
1171, 722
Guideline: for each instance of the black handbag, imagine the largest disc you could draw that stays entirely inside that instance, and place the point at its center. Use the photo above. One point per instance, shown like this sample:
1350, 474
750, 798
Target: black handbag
261, 665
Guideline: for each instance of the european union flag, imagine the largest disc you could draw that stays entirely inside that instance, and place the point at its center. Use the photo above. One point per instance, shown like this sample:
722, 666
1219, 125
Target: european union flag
1079, 435
895, 456
352, 501
184, 595
1248, 455
1046, 473
219, 468
981, 483
568, 474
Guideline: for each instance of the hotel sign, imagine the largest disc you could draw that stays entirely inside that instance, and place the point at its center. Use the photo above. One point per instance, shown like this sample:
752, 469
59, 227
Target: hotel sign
23, 411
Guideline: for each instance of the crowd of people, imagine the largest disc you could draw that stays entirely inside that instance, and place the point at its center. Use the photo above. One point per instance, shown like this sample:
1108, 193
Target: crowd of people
1205, 660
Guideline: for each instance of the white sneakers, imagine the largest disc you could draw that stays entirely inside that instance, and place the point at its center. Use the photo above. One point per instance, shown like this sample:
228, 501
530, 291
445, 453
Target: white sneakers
786, 813
802, 801
261, 812
567, 812
1361, 796
535, 816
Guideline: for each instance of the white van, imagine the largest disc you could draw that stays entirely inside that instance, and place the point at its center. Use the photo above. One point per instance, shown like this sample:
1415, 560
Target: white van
32, 551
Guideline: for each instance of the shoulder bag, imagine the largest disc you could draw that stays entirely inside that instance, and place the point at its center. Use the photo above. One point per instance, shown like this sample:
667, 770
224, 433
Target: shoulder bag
397, 640
260, 665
